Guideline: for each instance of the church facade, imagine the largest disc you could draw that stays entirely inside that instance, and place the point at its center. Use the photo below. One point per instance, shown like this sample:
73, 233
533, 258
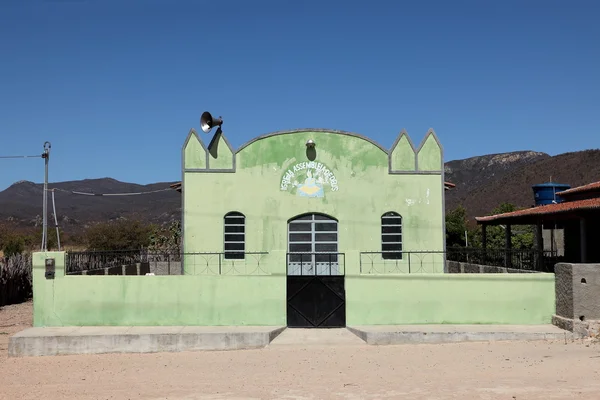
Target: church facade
312, 205
307, 228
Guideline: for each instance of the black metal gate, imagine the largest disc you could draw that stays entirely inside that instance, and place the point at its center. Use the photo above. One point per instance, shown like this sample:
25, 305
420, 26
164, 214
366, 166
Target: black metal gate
316, 297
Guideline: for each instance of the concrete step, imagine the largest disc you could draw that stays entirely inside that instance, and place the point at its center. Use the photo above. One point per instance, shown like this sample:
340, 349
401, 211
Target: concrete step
316, 337
138, 339
406, 334
150, 339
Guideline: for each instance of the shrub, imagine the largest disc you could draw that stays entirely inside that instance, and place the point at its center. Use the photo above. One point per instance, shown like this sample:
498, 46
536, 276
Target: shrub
13, 245
119, 235
167, 238
15, 278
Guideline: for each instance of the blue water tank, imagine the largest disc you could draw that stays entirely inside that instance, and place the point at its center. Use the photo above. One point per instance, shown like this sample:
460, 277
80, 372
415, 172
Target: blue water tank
545, 193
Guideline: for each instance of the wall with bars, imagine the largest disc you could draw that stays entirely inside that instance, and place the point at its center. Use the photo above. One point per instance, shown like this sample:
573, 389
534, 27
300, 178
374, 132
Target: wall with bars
266, 180
213, 300
202, 300
362, 181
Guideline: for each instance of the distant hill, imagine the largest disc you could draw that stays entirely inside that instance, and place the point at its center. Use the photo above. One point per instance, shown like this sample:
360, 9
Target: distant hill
21, 203
514, 185
474, 173
482, 183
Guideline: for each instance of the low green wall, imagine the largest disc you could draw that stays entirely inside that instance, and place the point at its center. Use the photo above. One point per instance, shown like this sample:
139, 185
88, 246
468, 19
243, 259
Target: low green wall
155, 300
261, 300
450, 299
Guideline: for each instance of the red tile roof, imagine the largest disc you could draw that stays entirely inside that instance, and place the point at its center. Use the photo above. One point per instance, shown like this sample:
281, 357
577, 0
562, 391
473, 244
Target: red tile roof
176, 186
550, 209
580, 189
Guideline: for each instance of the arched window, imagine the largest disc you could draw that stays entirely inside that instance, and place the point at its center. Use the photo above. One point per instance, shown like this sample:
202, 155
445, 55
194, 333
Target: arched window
391, 236
313, 245
234, 240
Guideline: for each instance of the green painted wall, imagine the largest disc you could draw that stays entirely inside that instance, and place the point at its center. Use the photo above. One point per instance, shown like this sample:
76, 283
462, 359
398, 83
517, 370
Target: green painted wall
377, 291
429, 156
366, 191
403, 155
450, 299
194, 154
220, 155
43, 289
260, 300
155, 300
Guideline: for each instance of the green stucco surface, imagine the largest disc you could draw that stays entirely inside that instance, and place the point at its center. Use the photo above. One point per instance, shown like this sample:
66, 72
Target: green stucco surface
220, 155
430, 156
346, 150
366, 191
260, 300
403, 156
450, 299
253, 291
156, 300
194, 153
43, 289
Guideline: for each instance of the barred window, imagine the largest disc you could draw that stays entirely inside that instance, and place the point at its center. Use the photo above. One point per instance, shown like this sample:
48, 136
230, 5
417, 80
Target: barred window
234, 241
391, 236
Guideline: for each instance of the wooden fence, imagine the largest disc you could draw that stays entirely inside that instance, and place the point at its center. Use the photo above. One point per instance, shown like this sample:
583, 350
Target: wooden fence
15, 279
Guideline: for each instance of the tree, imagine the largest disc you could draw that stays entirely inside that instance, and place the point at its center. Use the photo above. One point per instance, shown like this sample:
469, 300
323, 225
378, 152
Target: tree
29, 238
4, 234
119, 235
457, 223
456, 226
34, 239
13, 245
168, 239
522, 236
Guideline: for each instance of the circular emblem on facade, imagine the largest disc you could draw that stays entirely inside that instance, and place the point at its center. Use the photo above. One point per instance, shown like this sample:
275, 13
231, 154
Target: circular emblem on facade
309, 179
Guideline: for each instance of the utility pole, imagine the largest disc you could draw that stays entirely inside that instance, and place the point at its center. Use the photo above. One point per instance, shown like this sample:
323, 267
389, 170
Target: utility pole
46, 157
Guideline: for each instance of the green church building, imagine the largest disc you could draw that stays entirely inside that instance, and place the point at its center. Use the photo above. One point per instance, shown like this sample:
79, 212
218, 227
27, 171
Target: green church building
311, 208
305, 228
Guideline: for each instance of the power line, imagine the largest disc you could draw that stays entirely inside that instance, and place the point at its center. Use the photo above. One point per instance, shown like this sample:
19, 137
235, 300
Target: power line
46, 156
40, 156
109, 194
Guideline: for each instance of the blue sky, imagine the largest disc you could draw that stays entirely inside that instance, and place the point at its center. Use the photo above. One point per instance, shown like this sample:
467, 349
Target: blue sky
115, 86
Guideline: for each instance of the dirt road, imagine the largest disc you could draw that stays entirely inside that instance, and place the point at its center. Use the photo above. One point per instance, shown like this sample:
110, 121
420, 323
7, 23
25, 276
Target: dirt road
536, 370
13, 319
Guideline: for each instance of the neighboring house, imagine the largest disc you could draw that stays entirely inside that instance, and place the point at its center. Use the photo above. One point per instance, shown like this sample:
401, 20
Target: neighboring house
578, 214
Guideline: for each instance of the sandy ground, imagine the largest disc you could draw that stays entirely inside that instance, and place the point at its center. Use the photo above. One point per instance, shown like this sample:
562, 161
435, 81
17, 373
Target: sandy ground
13, 319
534, 370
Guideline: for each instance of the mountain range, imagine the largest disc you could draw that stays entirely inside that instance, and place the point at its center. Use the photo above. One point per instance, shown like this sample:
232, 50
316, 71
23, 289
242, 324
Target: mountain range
482, 183
21, 203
